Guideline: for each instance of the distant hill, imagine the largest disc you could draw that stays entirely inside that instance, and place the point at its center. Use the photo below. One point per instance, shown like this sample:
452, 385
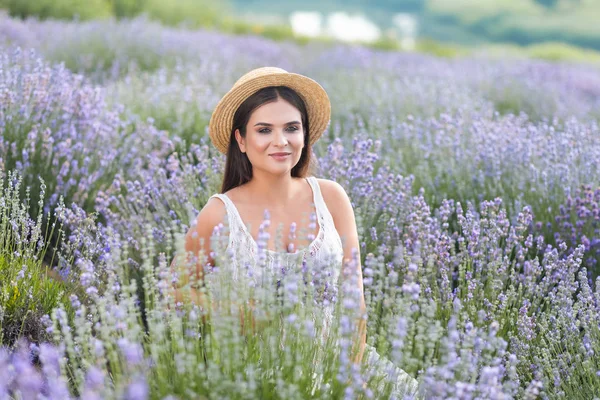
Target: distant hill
467, 22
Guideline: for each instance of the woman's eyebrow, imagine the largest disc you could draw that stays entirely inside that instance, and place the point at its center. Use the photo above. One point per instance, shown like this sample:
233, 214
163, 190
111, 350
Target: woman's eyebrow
267, 124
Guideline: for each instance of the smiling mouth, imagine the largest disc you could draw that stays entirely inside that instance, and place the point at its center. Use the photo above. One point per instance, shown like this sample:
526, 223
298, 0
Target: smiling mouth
280, 154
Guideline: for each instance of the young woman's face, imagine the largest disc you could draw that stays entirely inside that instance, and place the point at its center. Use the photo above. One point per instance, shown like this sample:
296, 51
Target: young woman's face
273, 128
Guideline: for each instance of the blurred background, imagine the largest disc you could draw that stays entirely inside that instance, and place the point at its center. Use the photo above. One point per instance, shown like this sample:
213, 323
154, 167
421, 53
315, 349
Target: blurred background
547, 29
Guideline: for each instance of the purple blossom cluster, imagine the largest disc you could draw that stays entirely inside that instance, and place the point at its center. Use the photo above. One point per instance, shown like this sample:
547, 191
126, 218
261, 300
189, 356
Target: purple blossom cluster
541, 89
58, 127
473, 159
477, 259
19, 377
167, 191
486, 263
577, 222
106, 50
53, 126
466, 310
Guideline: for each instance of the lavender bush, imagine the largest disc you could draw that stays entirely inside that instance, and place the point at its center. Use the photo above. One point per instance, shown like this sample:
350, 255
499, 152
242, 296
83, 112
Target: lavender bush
179, 355
108, 50
168, 190
478, 251
27, 289
177, 100
473, 159
54, 125
459, 310
578, 223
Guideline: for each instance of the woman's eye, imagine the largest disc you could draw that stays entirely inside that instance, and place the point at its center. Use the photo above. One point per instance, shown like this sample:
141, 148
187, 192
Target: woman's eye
267, 130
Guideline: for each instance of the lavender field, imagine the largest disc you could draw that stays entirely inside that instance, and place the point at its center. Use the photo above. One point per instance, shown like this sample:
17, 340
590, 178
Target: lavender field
475, 184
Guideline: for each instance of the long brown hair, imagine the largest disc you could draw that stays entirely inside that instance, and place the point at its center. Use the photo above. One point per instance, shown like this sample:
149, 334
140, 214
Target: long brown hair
238, 169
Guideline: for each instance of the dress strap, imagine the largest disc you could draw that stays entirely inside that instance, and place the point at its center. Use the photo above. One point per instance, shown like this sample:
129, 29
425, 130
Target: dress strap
323, 212
224, 199
229, 208
320, 205
238, 231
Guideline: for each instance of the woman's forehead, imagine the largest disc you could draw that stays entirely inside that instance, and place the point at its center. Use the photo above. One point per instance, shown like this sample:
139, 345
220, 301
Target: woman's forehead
280, 112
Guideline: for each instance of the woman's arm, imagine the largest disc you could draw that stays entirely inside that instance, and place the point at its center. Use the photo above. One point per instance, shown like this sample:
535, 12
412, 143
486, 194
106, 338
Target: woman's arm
197, 244
341, 210
200, 298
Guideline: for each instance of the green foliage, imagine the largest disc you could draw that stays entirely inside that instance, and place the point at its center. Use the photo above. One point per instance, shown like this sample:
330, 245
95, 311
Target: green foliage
28, 288
276, 32
60, 9
127, 8
386, 43
542, 24
192, 13
196, 13
547, 3
524, 22
24, 300
554, 51
439, 49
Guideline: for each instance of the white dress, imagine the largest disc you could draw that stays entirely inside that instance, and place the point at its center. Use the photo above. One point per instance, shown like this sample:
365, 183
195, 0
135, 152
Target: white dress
326, 251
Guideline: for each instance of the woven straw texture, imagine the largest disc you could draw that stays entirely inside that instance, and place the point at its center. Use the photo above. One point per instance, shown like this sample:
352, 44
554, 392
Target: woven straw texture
314, 96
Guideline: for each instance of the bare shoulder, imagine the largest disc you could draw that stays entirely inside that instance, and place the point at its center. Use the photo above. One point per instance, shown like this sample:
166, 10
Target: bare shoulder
236, 194
339, 205
212, 214
214, 209
198, 236
334, 195
331, 188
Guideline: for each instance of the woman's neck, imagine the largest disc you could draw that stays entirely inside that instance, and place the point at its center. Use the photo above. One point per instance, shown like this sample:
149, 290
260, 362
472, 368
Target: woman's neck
277, 191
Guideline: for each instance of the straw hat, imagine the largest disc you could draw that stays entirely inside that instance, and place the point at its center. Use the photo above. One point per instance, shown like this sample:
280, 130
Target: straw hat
314, 96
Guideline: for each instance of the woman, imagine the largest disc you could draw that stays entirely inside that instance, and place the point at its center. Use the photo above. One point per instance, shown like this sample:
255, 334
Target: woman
266, 125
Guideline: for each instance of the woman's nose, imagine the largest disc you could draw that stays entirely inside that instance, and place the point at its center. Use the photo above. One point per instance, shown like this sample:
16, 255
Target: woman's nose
280, 138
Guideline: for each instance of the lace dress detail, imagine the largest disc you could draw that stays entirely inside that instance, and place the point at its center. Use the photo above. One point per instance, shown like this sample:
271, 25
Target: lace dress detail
241, 238
325, 248
253, 268
256, 268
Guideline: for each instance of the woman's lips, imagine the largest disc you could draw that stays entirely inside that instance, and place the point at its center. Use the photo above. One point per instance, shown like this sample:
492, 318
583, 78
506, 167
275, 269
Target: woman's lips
280, 156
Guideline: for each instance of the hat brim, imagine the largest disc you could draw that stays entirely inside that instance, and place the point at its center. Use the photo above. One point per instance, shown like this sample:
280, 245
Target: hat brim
314, 96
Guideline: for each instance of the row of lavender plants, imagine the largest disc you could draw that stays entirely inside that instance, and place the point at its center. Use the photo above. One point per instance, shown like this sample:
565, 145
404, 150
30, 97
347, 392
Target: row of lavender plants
497, 300
469, 313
